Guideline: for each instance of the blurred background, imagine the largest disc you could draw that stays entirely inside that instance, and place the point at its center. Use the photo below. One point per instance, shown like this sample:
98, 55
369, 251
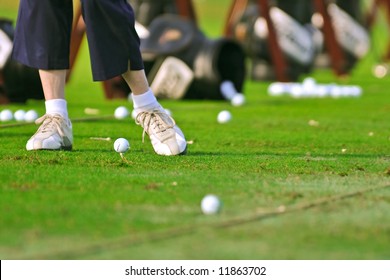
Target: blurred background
236, 41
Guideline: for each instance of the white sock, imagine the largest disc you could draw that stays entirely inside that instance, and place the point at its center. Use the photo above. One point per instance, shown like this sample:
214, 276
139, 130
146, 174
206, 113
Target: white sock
57, 106
145, 102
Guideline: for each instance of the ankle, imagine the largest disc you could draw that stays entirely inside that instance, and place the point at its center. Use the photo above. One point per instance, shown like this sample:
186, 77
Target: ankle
145, 102
57, 106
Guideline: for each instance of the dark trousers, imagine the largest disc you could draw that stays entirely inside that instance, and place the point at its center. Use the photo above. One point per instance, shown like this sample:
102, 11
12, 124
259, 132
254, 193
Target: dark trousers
43, 31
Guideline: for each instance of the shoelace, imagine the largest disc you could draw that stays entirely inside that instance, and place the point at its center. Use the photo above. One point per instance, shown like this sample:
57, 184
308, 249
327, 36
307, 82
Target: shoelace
154, 121
50, 123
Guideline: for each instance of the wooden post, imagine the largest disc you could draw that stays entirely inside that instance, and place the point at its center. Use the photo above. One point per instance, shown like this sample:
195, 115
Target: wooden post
331, 43
237, 8
371, 16
3, 97
75, 40
186, 9
386, 4
277, 55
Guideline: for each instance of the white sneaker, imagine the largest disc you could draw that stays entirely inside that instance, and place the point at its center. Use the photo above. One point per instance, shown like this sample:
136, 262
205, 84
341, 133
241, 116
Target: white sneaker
166, 137
55, 133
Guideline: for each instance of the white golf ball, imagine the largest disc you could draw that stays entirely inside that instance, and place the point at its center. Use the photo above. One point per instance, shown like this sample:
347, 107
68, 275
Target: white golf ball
336, 91
345, 91
31, 116
121, 113
356, 91
380, 70
277, 89
321, 91
6, 115
309, 83
121, 145
210, 204
19, 115
228, 90
133, 114
224, 116
297, 91
309, 87
238, 99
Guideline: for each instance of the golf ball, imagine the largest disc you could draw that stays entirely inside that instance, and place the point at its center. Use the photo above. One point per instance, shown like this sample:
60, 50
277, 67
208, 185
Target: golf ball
297, 91
380, 70
321, 91
210, 204
121, 113
238, 99
228, 90
6, 115
121, 145
277, 89
356, 91
134, 114
309, 83
224, 116
19, 115
31, 116
309, 87
335, 91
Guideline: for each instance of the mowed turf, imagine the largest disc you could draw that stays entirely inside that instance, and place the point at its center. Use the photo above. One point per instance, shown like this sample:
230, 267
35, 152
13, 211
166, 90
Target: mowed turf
290, 190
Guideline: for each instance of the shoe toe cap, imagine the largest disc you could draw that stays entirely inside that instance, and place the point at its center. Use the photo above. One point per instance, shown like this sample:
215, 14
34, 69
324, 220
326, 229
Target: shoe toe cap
43, 144
171, 147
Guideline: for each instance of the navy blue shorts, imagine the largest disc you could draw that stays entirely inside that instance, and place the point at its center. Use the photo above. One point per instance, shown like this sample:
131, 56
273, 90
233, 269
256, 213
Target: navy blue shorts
43, 31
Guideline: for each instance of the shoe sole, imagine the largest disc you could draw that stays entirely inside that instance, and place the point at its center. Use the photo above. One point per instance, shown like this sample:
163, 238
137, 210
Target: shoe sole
183, 152
66, 147
62, 148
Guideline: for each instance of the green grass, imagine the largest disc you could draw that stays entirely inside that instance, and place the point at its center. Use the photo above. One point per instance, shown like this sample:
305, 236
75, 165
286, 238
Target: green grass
89, 204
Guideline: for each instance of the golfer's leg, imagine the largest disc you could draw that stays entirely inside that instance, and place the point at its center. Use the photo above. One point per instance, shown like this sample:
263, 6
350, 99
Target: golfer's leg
114, 49
136, 79
113, 41
53, 83
42, 40
55, 132
42, 33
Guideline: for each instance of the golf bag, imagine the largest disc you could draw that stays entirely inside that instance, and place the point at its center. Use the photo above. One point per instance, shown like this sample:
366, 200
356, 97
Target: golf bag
148, 10
298, 40
19, 82
180, 61
350, 32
